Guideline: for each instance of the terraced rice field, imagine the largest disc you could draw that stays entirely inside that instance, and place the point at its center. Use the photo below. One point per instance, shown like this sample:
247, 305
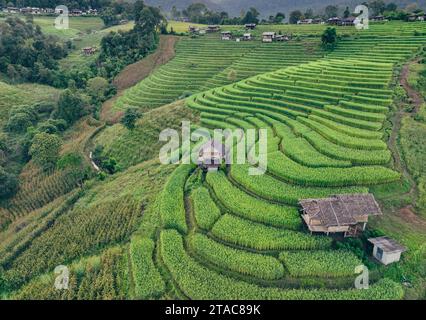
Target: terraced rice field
229, 235
207, 62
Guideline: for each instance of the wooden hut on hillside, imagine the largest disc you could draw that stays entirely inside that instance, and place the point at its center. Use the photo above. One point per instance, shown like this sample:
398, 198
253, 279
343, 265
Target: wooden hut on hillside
88, 51
211, 155
347, 214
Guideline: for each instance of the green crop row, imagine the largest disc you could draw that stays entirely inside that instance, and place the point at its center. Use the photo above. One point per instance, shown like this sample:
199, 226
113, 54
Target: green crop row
285, 168
272, 189
258, 236
342, 139
147, 280
200, 283
205, 210
248, 263
333, 263
249, 207
172, 208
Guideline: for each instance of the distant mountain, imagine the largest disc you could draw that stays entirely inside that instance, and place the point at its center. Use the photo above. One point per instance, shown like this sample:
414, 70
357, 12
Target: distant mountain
267, 7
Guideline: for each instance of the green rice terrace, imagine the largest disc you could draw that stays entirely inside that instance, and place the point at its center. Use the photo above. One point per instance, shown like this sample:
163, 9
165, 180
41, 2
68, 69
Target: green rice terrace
179, 232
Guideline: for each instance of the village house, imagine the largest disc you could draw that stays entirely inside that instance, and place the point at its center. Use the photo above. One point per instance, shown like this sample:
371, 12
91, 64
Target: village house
29, 10
334, 21
386, 250
11, 10
192, 29
349, 21
280, 37
59, 10
213, 28
226, 35
211, 155
305, 21
87, 51
268, 36
347, 214
76, 12
247, 37
379, 18
250, 26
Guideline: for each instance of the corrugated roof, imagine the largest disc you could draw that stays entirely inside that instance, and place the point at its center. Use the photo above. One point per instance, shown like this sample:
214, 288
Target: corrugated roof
387, 244
340, 210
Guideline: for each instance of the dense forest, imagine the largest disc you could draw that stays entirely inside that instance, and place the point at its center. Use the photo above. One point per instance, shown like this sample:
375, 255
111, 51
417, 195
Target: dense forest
34, 131
27, 54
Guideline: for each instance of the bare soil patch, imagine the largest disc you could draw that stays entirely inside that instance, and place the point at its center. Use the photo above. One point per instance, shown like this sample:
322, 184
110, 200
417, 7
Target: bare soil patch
138, 71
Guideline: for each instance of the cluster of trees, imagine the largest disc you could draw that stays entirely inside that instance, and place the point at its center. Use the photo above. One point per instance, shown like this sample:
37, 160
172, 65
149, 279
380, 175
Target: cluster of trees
200, 13
122, 48
27, 54
71, 4
35, 132
115, 12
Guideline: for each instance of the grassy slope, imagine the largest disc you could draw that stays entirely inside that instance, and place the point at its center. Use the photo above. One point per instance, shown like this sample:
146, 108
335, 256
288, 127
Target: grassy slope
23, 94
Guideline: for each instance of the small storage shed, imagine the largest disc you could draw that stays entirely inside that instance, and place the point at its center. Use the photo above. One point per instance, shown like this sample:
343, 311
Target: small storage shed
250, 26
211, 155
386, 250
345, 213
268, 36
226, 35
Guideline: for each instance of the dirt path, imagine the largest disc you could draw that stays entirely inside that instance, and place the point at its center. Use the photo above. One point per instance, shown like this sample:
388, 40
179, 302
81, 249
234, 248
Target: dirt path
138, 71
407, 213
414, 95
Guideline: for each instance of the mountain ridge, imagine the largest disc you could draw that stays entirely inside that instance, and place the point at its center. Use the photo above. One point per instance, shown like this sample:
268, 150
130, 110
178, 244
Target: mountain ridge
234, 7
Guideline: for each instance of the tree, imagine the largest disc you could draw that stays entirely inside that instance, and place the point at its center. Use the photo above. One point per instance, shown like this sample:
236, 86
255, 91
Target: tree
347, 13
131, 115
8, 184
70, 106
377, 7
97, 88
196, 11
176, 14
279, 17
19, 122
295, 16
329, 38
109, 17
251, 16
331, 11
45, 149
391, 7
309, 14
